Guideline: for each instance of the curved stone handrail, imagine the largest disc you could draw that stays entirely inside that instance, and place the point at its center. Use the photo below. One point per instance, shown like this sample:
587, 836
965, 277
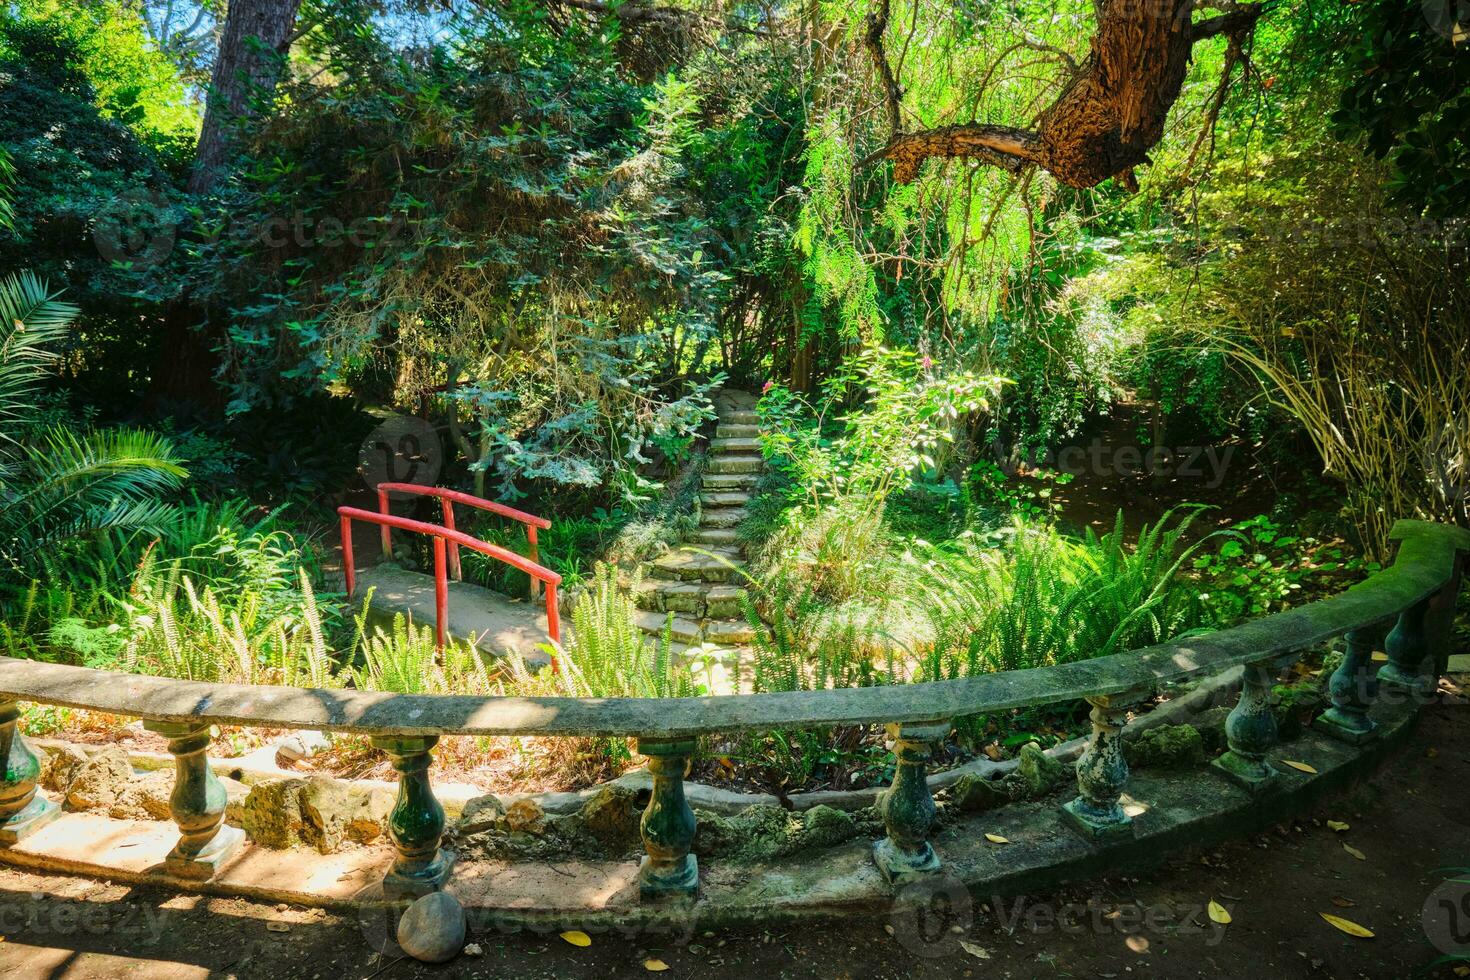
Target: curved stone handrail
1417, 590
1425, 562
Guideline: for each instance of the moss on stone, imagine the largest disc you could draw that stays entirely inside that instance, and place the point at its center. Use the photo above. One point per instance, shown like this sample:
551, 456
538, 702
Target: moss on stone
974, 794
612, 815
764, 832
1038, 771
1166, 747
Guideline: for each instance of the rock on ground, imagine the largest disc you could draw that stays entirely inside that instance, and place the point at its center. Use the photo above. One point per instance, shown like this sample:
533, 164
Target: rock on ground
432, 929
97, 783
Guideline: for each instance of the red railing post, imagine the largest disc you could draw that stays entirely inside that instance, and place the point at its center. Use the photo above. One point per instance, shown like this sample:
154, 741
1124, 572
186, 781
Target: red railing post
347, 569
535, 557
441, 593
454, 565
444, 538
385, 530
553, 622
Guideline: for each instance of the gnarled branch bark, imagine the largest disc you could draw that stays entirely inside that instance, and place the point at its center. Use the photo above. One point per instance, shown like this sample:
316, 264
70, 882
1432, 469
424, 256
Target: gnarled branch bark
1108, 117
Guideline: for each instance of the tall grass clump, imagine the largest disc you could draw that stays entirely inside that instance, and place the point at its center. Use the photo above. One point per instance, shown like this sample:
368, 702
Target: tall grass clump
1041, 598
606, 656
405, 659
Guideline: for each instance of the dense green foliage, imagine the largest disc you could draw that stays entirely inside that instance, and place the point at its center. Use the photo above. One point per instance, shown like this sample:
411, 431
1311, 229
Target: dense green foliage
556, 231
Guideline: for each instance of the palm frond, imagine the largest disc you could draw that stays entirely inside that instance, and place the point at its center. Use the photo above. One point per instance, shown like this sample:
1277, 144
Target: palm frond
32, 319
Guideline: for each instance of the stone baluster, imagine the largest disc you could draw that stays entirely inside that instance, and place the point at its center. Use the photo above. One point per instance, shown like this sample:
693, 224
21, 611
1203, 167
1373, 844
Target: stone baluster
1407, 646
416, 822
197, 804
23, 811
1102, 771
1250, 731
1353, 686
906, 807
668, 869
1439, 619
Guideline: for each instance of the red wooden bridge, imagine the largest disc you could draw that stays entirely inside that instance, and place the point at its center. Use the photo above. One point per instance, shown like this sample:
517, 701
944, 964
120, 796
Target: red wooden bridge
496, 622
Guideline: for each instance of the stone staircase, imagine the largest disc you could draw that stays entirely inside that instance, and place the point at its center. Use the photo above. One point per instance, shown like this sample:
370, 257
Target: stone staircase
697, 583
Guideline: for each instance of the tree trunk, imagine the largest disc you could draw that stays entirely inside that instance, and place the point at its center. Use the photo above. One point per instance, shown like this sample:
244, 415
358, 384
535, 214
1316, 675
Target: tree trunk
253, 45
1111, 112
252, 49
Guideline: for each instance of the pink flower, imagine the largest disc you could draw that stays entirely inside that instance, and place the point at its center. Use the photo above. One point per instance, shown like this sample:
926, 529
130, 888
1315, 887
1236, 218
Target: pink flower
767, 387
925, 362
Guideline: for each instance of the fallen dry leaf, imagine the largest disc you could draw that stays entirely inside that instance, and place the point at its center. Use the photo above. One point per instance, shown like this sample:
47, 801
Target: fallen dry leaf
655, 965
1218, 913
1138, 944
996, 839
1337, 825
577, 937
277, 927
975, 950
1299, 766
1343, 903
1355, 852
1347, 926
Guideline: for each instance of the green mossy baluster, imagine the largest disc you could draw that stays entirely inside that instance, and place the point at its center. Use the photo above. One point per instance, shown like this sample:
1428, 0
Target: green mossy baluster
416, 822
197, 804
906, 807
1353, 686
23, 811
1250, 731
668, 869
1407, 646
1102, 772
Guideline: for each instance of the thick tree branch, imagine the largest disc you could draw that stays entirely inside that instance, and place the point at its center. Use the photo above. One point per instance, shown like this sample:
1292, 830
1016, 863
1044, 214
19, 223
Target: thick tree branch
1108, 116
1006, 147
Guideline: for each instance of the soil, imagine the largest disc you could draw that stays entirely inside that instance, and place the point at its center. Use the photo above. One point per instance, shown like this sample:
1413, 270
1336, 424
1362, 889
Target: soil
1409, 822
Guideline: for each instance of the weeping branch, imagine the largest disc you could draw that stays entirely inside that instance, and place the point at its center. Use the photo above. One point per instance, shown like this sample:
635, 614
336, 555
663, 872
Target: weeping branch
1106, 119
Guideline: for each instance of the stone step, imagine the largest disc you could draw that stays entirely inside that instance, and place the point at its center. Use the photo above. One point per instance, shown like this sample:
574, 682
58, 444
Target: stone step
740, 417
741, 444
723, 602
736, 431
671, 595
722, 516
732, 632
689, 566
726, 463
683, 629
729, 481
715, 537
724, 498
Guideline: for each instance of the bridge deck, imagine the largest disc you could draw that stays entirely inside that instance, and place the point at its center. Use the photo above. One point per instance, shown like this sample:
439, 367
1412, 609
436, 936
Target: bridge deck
497, 622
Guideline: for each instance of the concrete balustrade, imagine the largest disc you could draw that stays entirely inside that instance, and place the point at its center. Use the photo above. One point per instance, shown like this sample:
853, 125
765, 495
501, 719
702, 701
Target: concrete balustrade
918, 717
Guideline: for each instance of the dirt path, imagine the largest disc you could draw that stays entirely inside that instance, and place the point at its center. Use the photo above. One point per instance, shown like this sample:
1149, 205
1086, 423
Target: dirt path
1408, 821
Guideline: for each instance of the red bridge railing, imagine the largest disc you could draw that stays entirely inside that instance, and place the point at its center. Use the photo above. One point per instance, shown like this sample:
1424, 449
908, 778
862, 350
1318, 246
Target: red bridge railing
446, 537
448, 498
